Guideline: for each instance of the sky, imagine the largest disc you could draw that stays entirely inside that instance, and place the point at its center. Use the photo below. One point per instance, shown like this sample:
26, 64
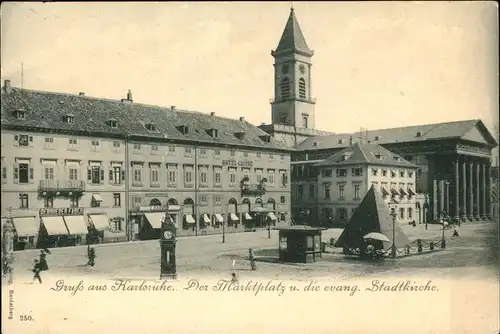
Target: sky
376, 64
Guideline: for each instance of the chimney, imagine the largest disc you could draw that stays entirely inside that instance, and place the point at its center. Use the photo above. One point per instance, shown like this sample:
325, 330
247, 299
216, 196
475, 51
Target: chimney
242, 119
172, 108
129, 95
212, 114
7, 87
350, 141
81, 94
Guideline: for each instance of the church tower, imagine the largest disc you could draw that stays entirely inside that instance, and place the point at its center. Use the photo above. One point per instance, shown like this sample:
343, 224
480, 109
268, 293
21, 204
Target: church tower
292, 104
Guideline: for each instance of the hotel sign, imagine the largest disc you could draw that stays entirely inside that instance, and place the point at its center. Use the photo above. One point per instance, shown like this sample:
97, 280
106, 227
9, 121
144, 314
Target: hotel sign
61, 212
159, 208
236, 163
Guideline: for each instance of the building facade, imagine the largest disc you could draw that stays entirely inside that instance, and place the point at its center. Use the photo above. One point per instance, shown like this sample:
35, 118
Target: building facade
343, 179
116, 165
453, 159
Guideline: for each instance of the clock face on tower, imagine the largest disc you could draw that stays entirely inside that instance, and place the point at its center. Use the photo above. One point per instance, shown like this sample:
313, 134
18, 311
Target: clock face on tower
167, 234
302, 68
285, 69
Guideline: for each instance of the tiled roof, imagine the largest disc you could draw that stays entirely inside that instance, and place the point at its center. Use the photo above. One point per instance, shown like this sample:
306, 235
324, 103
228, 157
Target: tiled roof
405, 134
292, 38
361, 153
46, 110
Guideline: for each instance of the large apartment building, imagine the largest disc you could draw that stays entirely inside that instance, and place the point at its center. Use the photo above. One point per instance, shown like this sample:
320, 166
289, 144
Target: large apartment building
70, 161
344, 178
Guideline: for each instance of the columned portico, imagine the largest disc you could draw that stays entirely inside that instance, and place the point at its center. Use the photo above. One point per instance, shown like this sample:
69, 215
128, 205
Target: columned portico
464, 190
456, 164
484, 198
488, 192
470, 189
477, 192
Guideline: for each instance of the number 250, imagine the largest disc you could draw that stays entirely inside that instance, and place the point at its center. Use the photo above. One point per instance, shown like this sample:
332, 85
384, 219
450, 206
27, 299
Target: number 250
24, 317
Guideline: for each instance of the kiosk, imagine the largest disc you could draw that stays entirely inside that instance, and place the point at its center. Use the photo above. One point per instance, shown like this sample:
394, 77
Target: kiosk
299, 243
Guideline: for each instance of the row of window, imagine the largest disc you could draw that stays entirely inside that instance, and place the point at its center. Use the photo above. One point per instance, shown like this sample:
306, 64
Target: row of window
74, 201
24, 173
358, 171
285, 88
356, 190
342, 213
23, 140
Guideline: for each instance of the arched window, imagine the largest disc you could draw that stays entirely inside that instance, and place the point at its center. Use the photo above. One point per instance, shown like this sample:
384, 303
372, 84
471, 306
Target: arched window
302, 88
285, 88
155, 202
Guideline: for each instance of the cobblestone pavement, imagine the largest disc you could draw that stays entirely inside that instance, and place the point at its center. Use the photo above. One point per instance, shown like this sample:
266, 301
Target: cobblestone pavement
465, 272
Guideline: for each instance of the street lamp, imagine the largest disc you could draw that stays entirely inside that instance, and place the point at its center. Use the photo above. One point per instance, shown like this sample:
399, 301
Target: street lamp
393, 206
224, 226
444, 221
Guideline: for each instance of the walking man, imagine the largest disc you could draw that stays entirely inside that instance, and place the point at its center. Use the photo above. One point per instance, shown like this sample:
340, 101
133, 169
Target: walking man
251, 257
37, 269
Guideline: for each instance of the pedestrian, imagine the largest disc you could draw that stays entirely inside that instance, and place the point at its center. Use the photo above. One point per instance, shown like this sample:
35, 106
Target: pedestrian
91, 257
37, 269
455, 233
43, 261
251, 256
233, 278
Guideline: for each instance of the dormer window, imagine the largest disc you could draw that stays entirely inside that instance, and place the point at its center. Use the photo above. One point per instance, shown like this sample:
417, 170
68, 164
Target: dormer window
113, 123
151, 126
214, 133
377, 138
377, 156
240, 135
419, 134
397, 158
315, 144
265, 138
20, 114
340, 141
184, 129
69, 118
345, 156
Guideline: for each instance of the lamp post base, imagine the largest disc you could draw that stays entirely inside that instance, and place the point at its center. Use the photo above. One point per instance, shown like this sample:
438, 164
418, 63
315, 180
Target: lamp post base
165, 276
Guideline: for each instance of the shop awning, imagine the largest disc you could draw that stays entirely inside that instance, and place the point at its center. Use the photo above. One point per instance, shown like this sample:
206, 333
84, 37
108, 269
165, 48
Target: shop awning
174, 208
26, 226
100, 221
402, 192
410, 192
76, 224
394, 191
190, 219
247, 216
219, 218
97, 197
55, 225
233, 216
155, 218
272, 216
384, 191
206, 219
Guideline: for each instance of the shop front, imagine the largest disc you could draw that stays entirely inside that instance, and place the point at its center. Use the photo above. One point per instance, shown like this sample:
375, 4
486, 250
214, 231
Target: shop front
26, 232
148, 220
62, 227
98, 223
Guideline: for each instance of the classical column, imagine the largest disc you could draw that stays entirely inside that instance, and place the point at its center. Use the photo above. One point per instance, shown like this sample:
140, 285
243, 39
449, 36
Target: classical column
434, 199
464, 190
477, 192
447, 201
488, 191
484, 198
471, 194
442, 193
456, 216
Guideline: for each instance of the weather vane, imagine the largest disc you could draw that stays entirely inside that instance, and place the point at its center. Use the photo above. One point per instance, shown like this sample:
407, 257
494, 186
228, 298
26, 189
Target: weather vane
291, 5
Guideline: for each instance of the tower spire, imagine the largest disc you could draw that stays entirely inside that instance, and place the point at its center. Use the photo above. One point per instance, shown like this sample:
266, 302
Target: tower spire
292, 38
